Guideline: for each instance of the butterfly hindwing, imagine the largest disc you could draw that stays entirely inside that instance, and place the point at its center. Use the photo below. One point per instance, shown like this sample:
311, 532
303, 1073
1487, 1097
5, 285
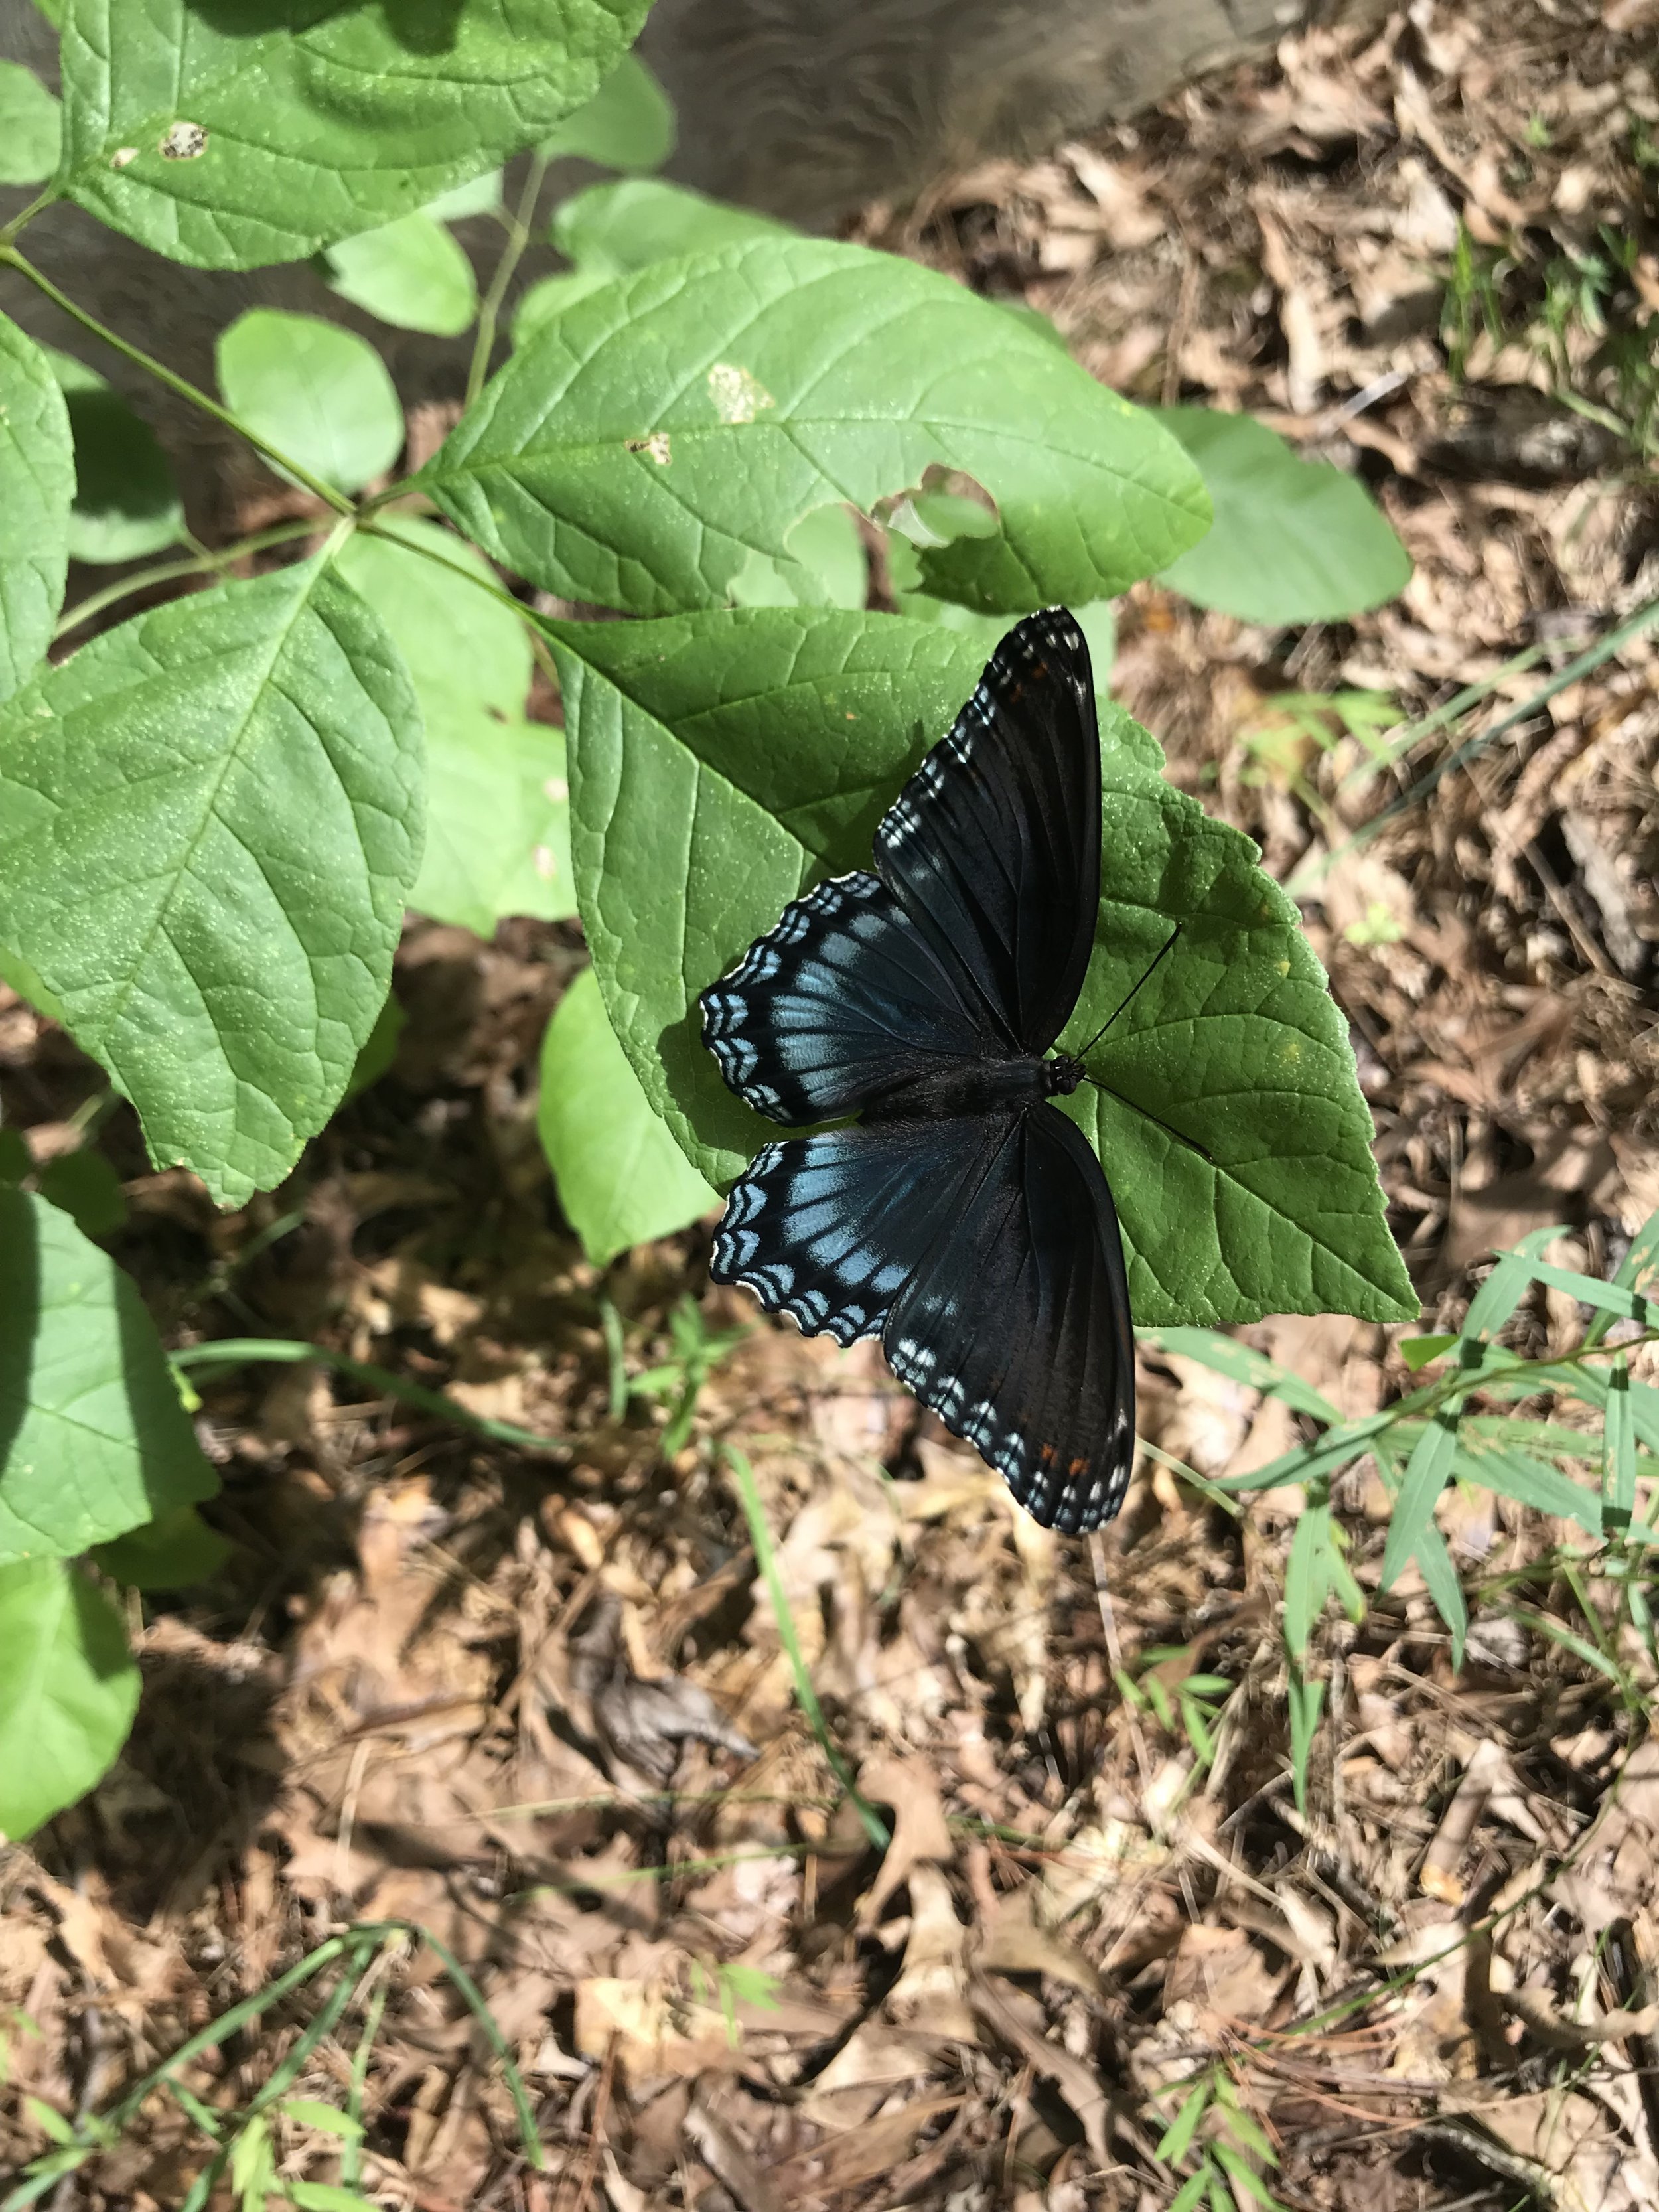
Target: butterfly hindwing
844, 1000
992, 847
1016, 1328
829, 1229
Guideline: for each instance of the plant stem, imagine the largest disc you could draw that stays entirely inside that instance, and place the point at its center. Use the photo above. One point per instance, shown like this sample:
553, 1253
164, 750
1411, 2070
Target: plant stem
170, 572
248, 1351
181, 385
518, 238
43, 200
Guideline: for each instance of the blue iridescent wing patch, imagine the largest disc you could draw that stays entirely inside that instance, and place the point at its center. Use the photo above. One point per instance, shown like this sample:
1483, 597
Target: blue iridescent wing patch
964, 1217
841, 1002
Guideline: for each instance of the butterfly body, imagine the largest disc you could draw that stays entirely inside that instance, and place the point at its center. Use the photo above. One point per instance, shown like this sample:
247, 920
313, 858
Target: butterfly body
964, 1217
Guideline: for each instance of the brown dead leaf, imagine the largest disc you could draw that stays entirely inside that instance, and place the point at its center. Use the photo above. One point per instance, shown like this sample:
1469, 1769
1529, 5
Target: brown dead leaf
1222, 1976
910, 1788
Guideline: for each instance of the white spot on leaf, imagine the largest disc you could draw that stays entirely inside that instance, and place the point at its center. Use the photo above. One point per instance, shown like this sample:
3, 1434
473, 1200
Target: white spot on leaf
737, 396
122, 155
656, 445
185, 142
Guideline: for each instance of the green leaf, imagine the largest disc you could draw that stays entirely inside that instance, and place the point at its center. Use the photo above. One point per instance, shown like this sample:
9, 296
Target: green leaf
69, 1690
318, 393
170, 1553
1306, 1699
1421, 1351
16, 972
1191, 2191
210, 823
37, 483
657, 433
627, 124
498, 815
307, 2112
1307, 1574
84, 1185
550, 296
1618, 1447
1178, 2135
93, 1440
326, 2196
1443, 1587
615, 229
823, 564
721, 763
718, 764
622, 1178
126, 503
1235, 1042
478, 196
1239, 1363
1293, 541
232, 137
379, 1050
31, 127
1424, 1479
1498, 1298
1529, 1481
410, 273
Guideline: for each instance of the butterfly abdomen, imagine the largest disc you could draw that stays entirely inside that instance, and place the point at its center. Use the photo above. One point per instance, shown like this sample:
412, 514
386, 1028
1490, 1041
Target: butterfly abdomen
987, 1086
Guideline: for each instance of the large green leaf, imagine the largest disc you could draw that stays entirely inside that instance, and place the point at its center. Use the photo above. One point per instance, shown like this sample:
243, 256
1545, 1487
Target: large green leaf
126, 503
498, 815
93, 1439
69, 1689
627, 124
658, 433
31, 127
210, 819
1293, 541
319, 394
622, 1178
720, 763
229, 137
1235, 1041
410, 273
37, 483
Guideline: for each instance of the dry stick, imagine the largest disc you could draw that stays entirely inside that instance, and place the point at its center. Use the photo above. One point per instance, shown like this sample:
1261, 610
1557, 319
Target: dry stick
596, 2126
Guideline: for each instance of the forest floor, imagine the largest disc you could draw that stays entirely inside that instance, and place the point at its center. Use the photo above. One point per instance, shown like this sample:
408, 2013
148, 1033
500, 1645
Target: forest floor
541, 1708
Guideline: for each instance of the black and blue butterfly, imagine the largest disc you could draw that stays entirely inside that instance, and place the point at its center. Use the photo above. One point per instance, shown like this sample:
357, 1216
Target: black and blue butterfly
963, 1218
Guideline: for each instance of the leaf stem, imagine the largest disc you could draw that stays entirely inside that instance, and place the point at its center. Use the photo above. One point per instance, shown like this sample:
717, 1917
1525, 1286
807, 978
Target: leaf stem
170, 572
518, 238
43, 200
181, 385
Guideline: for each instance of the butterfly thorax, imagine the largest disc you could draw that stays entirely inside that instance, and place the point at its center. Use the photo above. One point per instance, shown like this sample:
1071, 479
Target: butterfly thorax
988, 1087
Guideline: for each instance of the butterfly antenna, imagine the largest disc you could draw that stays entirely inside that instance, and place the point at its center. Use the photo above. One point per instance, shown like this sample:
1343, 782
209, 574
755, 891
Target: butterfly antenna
1190, 1143
1121, 1003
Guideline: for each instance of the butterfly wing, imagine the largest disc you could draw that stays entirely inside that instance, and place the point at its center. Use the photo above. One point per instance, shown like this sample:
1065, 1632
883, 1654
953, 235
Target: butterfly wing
844, 1000
1016, 1327
992, 847
829, 1229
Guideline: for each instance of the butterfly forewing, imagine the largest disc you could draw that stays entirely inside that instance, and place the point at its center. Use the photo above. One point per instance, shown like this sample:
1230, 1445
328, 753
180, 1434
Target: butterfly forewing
1015, 1329
841, 1002
994, 845
829, 1229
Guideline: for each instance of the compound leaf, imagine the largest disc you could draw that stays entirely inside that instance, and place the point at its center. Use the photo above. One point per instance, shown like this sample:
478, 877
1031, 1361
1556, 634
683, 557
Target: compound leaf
654, 435
210, 819
498, 815
94, 1439
69, 1689
722, 762
318, 393
230, 137
622, 1178
37, 484
410, 273
1293, 541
